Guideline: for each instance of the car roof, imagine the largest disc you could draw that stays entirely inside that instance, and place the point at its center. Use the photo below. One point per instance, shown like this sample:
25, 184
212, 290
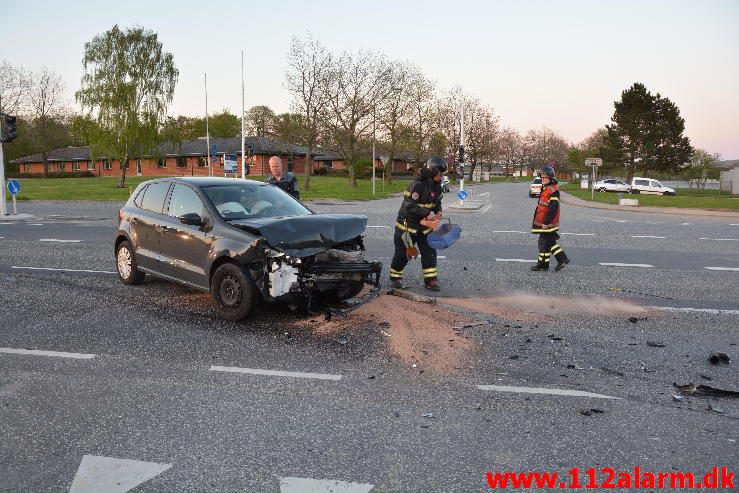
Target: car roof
209, 181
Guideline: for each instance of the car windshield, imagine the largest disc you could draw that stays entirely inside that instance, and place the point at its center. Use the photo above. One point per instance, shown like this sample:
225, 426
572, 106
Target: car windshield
247, 200
536, 181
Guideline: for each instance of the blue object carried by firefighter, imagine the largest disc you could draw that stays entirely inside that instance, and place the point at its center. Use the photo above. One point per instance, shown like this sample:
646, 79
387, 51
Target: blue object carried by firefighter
445, 236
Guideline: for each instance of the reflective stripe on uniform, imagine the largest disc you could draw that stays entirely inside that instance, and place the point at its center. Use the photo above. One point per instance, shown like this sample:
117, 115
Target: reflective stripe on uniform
396, 273
554, 198
550, 230
403, 227
427, 206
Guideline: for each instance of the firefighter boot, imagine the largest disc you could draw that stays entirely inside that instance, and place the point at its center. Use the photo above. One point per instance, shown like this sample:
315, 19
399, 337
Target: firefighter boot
396, 283
432, 285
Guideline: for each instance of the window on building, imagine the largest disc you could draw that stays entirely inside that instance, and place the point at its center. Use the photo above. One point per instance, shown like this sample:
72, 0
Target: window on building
60, 166
107, 164
290, 162
27, 168
91, 165
181, 162
162, 162
203, 162
75, 166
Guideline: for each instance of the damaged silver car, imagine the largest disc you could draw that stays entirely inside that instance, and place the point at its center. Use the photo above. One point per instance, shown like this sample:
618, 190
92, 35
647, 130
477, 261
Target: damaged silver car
242, 241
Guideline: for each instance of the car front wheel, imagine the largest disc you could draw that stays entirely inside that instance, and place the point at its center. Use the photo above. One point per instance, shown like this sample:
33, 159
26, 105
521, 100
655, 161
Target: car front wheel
233, 293
126, 265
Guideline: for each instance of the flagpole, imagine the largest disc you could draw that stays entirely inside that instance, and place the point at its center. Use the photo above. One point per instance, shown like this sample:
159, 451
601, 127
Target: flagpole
207, 133
243, 154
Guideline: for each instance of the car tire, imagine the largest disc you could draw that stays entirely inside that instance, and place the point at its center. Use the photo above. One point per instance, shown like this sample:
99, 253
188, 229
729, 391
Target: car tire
635, 192
126, 265
233, 292
602, 189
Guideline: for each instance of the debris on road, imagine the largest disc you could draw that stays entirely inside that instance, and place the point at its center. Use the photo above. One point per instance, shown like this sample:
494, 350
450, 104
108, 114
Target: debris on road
655, 344
428, 415
716, 358
611, 371
692, 389
712, 406
469, 326
678, 398
410, 295
591, 411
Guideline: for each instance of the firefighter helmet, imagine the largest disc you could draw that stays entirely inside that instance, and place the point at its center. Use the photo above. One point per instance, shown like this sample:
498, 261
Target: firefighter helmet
548, 171
436, 165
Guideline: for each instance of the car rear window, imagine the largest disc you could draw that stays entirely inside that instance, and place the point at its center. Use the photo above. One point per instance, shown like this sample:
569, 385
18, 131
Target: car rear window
154, 197
536, 181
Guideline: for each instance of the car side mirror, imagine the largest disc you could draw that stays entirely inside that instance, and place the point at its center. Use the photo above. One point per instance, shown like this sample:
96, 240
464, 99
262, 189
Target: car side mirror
191, 219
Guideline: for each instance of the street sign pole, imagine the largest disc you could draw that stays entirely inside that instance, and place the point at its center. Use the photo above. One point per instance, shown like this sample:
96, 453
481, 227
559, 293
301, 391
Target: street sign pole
593, 162
461, 157
3, 205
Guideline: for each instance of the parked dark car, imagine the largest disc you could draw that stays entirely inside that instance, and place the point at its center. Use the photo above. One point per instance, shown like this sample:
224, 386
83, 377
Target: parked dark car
243, 241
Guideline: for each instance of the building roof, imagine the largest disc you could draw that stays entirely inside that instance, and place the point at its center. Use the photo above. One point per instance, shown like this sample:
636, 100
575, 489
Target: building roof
197, 147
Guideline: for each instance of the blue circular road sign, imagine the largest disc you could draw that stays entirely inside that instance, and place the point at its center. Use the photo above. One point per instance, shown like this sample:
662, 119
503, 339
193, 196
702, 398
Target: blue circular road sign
461, 195
14, 187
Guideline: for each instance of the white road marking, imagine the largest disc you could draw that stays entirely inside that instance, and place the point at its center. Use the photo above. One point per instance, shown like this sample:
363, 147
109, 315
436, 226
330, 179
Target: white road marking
513, 260
541, 390
1, 237
486, 208
506, 231
112, 475
734, 269
275, 373
35, 224
686, 224
6, 224
618, 264
38, 352
733, 224
309, 485
388, 227
714, 311
59, 241
649, 236
440, 256
63, 270
486, 194
720, 239
579, 234
621, 221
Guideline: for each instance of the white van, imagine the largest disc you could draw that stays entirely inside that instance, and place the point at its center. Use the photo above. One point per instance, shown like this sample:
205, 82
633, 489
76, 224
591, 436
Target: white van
648, 185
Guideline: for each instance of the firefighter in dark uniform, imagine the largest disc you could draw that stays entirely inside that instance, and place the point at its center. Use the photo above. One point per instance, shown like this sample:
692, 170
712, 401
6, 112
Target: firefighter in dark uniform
286, 181
546, 223
419, 214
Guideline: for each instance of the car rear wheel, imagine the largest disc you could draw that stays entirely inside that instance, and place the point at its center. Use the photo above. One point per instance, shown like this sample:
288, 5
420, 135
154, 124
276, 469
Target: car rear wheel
635, 192
126, 265
232, 292
602, 189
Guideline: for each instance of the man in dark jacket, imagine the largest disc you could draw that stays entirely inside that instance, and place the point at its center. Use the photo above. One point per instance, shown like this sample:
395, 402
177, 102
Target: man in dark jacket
546, 223
286, 181
419, 214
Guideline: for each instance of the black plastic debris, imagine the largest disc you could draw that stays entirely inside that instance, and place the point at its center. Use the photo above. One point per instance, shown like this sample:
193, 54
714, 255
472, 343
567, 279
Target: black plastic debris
701, 390
716, 358
655, 344
514, 356
611, 371
633, 320
591, 411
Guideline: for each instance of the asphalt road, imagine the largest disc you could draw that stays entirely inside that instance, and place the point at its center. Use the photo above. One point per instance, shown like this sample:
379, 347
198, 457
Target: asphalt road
148, 382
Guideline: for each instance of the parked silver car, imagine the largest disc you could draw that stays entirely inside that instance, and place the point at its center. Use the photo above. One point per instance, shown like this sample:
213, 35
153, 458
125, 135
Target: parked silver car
612, 185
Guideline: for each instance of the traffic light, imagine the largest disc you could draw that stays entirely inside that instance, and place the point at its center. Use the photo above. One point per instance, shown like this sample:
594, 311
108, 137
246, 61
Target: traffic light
9, 130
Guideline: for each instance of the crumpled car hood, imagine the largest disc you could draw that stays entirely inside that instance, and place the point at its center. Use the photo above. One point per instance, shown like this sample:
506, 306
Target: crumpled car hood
303, 236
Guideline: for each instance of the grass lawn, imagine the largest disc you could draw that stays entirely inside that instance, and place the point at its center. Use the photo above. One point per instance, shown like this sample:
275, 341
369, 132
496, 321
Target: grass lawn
685, 198
104, 188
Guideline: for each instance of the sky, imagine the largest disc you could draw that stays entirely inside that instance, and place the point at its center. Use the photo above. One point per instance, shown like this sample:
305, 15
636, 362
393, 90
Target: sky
558, 63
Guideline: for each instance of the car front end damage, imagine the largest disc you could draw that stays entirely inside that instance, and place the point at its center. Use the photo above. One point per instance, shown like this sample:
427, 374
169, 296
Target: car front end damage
312, 260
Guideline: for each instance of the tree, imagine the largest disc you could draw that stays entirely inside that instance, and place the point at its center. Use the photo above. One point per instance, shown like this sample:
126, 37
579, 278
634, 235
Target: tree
45, 100
128, 83
260, 121
509, 147
224, 125
355, 83
647, 133
701, 168
423, 121
308, 66
15, 83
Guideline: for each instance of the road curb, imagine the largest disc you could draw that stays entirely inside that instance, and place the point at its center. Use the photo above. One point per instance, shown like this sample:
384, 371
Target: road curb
572, 200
